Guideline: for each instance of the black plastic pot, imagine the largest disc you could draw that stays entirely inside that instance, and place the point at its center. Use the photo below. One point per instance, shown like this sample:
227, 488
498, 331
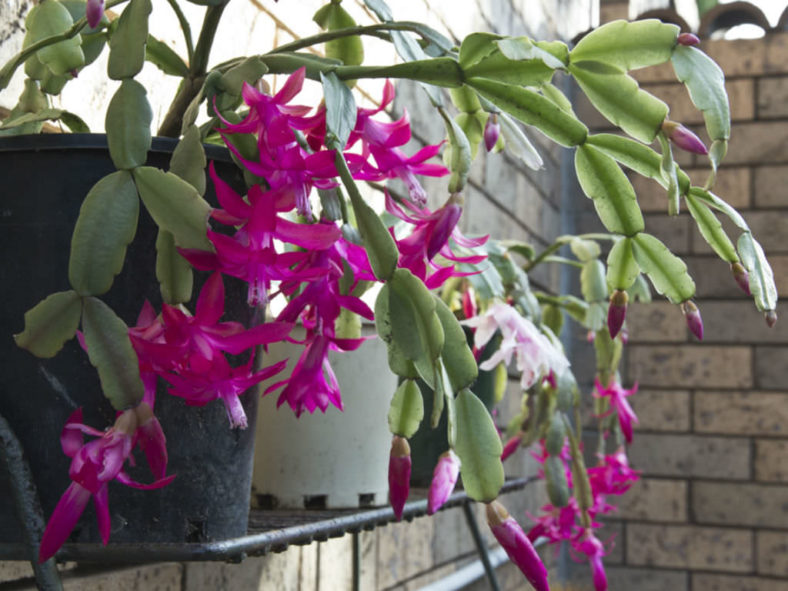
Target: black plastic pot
45, 179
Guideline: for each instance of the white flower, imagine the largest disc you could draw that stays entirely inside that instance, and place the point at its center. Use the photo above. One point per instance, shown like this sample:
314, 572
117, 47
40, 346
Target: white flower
535, 354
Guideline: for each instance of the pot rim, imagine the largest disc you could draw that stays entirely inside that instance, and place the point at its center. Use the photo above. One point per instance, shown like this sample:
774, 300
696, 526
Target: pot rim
93, 141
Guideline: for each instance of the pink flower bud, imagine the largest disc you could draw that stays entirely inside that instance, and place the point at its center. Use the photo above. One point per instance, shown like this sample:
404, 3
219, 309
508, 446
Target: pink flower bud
492, 130
694, 321
469, 308
517, 545
94, 11
688, 39
152, 440
511, 446
616, 312
683, 137
741, 276
399, 474
448, 216
443, 480
771, 318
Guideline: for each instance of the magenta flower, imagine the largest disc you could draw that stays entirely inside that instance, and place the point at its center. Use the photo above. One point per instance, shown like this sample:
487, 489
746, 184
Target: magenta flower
399, 474
617, 312
618, 402
447, 470
683, 137
95, 464
429, 237
492, 131
394, 163
511, 446
692, 316
590, 545
220, 381
612, 476
517, 545
93, 12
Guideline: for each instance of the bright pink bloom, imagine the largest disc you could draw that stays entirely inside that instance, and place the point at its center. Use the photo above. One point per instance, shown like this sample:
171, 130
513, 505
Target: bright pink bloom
447, 470
692, 316
587, 543
683, 137
511, 446
612, 476
96, 463
399, 474
517, 545
220, 381
618, 402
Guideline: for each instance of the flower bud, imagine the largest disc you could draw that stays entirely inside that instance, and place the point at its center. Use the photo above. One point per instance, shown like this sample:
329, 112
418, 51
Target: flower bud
771, 318
93, 12
492, 131
511, 446
616, 312
683, 137
469, 308
741, 276
688, 39
448, 216
692, 316
443, 480
517, 545
152, 440
399, 474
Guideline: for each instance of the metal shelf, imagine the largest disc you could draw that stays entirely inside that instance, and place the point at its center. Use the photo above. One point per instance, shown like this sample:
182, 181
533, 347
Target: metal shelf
269, 531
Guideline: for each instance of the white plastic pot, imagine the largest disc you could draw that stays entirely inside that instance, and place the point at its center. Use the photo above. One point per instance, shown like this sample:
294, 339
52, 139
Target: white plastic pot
332, 460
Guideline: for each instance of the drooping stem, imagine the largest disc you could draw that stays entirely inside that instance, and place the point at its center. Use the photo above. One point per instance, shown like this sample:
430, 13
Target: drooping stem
171, 126
187, 31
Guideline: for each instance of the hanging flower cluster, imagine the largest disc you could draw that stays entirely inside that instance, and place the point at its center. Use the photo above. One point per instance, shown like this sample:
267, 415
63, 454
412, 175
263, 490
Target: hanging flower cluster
258, 238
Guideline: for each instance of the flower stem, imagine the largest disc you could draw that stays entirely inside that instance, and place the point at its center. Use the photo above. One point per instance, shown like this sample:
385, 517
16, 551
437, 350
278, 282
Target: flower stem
187, 31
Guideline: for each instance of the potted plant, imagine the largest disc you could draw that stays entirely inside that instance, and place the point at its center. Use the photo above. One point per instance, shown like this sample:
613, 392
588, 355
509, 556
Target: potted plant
271, 234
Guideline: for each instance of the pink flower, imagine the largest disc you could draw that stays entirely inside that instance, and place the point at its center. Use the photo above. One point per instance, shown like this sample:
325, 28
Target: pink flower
96, 463
741, 277
683, 137
688, 39
587, 543
517, 545
616, 312
618, 403
692, 316
511, 446
612, 475
93, 12
220, 381
399, 474
492, 130
447, 470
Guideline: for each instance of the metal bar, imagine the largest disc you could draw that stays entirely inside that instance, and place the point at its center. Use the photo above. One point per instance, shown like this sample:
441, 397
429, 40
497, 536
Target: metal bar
463, 577
481, 547
356, 561
28, 508
274, 540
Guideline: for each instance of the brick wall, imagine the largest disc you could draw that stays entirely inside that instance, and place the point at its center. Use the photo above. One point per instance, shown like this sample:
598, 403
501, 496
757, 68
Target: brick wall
711, 513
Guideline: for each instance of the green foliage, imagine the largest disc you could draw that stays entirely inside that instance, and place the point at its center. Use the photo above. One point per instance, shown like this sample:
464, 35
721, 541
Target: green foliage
478, 446
127, 44
762, 286
667, 272
50, 323
406, 410
172, 270
626, 45
106, 225
128, 120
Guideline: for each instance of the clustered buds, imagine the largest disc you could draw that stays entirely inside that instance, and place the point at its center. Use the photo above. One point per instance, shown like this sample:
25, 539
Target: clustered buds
694, 321
617, 311
492, 131
688, 39
518, 547
741, 276
399, 474
683, 137
447, 470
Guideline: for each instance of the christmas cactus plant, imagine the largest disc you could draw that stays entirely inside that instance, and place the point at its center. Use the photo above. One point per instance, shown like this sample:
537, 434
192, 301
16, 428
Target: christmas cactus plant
303, 229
